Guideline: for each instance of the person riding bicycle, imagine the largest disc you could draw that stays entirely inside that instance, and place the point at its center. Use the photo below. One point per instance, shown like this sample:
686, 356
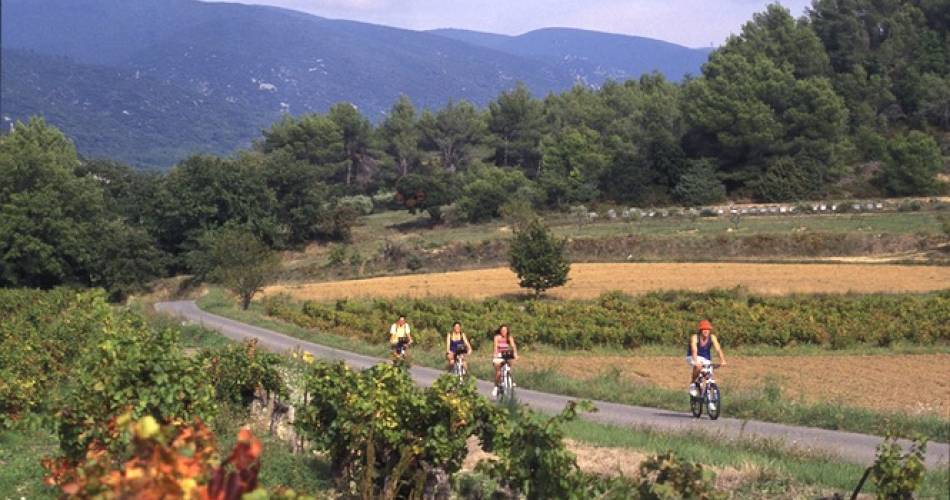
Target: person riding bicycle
400, 335
699, 353
504, 350
456, 343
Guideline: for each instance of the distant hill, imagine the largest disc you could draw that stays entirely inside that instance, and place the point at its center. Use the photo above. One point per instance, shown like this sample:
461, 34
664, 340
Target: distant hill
591, 56
118, 113
245, 65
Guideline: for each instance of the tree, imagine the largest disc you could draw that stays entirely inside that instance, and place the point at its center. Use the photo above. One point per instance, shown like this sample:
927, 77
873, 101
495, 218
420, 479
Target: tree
699, 185
124, 259
748, 110
454, 133
912, 165
400, 131
427, 193
486, 189
206, 192
787, 42
357, 135
48, 214
315, 139
306, 208
538, 258
236, 259
516, 120
573, 162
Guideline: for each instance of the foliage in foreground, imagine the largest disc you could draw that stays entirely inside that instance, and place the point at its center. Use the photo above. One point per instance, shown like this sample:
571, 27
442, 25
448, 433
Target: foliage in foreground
617, 320
170, 461
71, 362
385, 436
899, 475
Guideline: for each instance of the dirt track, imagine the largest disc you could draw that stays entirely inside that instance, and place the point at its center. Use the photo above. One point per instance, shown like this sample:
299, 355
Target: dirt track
590, 280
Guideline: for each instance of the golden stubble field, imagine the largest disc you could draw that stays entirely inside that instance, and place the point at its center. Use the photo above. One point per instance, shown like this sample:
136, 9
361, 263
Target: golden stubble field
590, 280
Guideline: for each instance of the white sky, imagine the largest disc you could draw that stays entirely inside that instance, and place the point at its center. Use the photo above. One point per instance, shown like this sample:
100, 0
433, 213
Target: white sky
694, 23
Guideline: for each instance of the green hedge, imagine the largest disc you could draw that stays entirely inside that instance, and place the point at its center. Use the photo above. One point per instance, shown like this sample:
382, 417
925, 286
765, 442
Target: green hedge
617, 320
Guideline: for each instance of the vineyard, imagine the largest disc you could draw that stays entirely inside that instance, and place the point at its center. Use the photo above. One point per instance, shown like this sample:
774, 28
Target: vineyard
617, 320
137, 416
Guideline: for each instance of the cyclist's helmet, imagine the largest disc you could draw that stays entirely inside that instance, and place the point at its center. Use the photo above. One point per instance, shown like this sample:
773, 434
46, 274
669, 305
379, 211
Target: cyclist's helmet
705, 325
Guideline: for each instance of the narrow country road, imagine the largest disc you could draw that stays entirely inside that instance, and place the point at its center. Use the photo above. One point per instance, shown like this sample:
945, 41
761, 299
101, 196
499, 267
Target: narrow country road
857, 448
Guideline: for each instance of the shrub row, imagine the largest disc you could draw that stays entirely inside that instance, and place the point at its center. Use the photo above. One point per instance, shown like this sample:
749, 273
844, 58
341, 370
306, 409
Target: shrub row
617, 320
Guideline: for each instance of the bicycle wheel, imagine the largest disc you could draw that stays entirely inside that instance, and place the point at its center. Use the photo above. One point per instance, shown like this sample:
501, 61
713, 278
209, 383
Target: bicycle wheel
696, 406
713, 401
509, 386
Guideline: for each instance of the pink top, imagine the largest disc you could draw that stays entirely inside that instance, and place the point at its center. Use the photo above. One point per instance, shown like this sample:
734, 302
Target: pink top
502, 344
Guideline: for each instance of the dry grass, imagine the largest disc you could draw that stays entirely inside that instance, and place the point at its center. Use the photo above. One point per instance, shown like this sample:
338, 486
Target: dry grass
590, 458
914, 384
590, 280
625, 462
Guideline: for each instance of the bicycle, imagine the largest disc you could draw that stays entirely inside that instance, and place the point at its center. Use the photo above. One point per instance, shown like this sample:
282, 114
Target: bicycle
400, 350
709, 395
506, 389
458, 367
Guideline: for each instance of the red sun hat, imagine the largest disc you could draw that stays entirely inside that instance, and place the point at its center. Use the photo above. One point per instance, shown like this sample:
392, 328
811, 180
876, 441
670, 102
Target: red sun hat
705, 325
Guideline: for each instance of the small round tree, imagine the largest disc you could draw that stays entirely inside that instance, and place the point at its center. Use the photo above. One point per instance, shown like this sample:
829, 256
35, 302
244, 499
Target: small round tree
538, 258
236, 259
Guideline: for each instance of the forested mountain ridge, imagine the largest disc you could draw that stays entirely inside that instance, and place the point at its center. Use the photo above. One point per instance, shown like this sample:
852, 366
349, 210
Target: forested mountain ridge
593, 57
261, 62
113, 112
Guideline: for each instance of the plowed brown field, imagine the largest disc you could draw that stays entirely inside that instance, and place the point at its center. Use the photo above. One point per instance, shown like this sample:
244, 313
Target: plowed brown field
590, 280
915, 384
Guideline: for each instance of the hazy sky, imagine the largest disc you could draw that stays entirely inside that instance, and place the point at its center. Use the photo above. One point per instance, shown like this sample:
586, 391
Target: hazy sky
695, 23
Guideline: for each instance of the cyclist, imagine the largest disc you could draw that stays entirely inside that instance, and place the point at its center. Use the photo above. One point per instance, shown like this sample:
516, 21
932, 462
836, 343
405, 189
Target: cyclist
456, 342
400, 335
504, 344
699, 352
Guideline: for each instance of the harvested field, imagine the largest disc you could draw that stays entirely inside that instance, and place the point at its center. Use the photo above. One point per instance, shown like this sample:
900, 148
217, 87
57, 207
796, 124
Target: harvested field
590, 280
914, 384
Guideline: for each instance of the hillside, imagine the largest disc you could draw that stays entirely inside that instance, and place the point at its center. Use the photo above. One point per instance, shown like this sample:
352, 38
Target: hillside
118, 113
591, 56
263, 61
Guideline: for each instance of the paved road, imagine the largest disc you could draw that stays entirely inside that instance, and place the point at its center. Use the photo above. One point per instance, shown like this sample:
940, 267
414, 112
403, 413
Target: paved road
858, 448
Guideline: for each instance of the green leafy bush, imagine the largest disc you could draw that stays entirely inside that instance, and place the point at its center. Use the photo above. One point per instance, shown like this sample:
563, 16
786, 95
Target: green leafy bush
912, 164
238, 371
486, 189
789, 178
909, 206
896, 474
699, 185
532, 458
384, 435
41, 336
666, 477
129, 367
337, 256
360, 204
